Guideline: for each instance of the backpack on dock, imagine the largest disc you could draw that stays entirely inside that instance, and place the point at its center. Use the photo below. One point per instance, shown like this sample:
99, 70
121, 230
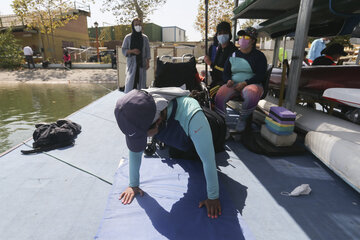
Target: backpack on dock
49, 136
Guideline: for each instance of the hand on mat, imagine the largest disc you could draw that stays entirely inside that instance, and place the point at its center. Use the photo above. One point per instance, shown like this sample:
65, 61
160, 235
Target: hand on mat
240, 86
128, 195
230, 83
213, 207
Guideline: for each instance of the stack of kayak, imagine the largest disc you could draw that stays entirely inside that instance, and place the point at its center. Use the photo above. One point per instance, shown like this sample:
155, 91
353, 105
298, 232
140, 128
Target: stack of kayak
279, 127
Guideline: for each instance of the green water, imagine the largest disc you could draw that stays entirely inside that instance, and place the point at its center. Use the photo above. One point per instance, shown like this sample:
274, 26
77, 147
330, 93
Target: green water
23, 104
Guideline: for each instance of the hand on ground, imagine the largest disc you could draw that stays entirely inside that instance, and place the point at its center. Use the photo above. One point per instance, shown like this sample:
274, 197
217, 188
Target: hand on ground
128, 195
213, 207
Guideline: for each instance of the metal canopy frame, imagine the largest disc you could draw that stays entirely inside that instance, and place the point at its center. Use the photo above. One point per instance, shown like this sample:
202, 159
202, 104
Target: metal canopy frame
295, 13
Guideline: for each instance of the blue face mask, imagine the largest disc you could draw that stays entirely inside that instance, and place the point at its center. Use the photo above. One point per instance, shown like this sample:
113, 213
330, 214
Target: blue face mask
223, 38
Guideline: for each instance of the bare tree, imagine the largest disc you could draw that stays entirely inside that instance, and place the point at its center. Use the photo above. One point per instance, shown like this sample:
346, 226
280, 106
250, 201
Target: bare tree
251, 23
218, 11
126, 10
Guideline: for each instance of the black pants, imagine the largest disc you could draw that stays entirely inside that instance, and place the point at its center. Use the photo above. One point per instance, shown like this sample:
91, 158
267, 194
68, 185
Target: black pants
68, 63
113, 62
29, 59
137, 76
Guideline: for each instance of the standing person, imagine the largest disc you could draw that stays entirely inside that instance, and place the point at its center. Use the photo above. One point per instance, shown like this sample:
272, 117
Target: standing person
136, 49
244, 73
179, 122
28, 53
316, 47
332, 53
224, 50
67, 59
113, 60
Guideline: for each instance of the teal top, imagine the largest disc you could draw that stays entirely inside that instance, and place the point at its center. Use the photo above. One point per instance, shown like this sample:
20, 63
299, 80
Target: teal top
241, 69
196, 126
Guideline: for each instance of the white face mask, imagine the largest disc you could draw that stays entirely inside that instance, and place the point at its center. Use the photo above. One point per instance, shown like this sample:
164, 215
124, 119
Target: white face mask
223, 38
138, 28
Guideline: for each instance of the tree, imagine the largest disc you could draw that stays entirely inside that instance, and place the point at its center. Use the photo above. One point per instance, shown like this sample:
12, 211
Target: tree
44, 15
217, 11
10, 50
126, 10
251, 23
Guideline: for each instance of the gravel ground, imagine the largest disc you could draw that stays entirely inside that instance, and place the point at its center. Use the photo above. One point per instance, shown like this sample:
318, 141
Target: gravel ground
59, 75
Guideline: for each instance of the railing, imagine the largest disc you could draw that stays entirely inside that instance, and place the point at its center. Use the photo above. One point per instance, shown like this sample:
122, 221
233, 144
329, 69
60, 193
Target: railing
10, 20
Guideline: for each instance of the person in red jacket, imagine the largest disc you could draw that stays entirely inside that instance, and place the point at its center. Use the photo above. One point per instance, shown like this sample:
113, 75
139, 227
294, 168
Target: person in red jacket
67, 59
332, 53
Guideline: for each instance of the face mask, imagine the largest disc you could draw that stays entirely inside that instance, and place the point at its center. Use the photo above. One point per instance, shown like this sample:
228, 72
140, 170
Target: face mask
138, 28
244, 43
223, 38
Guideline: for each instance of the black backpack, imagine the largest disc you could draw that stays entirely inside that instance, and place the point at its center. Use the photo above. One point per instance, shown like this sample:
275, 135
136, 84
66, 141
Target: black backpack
218, 128
176, 74
50, 136
218, 131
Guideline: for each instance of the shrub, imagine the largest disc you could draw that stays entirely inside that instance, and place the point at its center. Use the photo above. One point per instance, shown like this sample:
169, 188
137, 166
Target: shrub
10, 51
106, 59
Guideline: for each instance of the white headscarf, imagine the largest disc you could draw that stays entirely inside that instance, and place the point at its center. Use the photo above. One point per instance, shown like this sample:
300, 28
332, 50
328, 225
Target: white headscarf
162, 97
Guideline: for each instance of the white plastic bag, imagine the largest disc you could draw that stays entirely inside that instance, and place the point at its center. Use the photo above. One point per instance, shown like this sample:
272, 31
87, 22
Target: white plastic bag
303, 189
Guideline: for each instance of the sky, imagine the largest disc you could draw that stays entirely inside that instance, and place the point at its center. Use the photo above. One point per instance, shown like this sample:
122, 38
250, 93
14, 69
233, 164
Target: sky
173, 13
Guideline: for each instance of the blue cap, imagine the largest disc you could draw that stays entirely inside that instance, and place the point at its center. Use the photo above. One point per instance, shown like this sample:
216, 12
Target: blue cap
134, 114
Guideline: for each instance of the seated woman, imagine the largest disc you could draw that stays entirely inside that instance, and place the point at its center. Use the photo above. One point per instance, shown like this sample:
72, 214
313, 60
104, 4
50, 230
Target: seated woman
332, 53
222, 52
244, 73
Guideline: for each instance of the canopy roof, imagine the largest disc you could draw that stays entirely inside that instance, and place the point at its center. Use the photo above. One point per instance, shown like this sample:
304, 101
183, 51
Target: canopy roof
328, 18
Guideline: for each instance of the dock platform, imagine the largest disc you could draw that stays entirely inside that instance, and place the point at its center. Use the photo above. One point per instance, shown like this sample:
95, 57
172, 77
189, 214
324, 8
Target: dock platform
62, 194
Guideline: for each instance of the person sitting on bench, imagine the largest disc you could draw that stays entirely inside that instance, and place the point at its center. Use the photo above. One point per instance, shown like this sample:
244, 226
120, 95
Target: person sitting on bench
244, 73
67, 59
332, 53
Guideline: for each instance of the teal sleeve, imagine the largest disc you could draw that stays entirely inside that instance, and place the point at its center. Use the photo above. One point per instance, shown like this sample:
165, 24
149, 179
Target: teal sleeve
134, 168
200, 134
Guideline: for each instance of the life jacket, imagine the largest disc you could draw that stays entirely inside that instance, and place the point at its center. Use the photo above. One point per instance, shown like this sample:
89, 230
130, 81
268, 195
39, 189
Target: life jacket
172, 133
181, 145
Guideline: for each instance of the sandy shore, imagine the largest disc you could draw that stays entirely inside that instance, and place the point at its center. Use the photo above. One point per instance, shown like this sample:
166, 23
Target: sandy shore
58, 75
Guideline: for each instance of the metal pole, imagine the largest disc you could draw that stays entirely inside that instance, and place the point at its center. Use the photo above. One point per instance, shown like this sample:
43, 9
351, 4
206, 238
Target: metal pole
206, 38
235, 21
303, 22
284, 49
276, 51
97, 45
283, 74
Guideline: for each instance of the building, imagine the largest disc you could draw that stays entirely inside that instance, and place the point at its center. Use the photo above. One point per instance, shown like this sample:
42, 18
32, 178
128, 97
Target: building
173, 34
73, 34
110, 36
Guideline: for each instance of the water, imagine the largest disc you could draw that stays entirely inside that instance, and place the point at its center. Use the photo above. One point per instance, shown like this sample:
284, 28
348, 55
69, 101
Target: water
23, 104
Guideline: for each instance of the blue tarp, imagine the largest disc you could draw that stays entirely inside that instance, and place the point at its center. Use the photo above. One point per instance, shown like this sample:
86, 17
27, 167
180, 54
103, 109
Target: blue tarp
169, 208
